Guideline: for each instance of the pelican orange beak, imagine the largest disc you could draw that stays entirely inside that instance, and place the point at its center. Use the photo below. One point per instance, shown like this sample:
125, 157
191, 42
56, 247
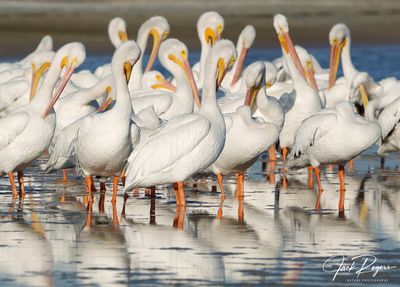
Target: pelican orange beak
287, 45
122, 36
64, 80
336, 50
309, 72
36, 77
127, 71
222, 69
183, 62
163, 84
364, 95
107, 102
251, 96
240, 64
157, 39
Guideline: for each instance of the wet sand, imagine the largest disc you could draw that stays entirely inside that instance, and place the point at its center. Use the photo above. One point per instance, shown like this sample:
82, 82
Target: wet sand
22, 23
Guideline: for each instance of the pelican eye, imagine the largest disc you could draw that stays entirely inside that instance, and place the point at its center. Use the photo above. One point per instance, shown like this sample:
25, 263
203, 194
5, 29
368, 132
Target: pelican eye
184, 54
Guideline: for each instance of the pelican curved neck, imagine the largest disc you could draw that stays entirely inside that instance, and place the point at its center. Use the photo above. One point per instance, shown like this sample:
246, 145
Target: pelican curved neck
205, 49
135, 82
349, 70
123, 105
92, 93
184, 94
209, 95
298, 81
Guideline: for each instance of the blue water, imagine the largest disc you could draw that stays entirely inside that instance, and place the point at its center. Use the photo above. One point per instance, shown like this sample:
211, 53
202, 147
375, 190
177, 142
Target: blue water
54, 237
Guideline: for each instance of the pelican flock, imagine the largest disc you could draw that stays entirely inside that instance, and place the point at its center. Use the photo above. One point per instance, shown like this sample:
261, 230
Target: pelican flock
143, 128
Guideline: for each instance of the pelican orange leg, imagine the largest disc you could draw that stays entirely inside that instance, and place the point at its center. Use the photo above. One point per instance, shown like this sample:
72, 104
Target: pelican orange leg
21, 183
65, 175
320, 190
342, 188
115, 189
310, 178
240, 184
221, 184
12, 183
272, 153
284, 153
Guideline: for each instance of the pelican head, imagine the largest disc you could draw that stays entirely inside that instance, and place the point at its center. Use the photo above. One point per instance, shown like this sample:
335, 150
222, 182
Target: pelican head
225, 55
125, 57
209, 27
357, 88
158, 28
282, 29
307, 64
46, 44
255, 80
67, 59
245, 41
338, 37
117, 31
174, 56
40, 63
270, 74
156, 81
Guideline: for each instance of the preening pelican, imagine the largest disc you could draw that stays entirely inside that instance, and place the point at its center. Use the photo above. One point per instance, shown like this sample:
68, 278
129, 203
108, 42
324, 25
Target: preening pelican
26, 133
17, 92
158, 28
209, 29
173, 56
246, 38
75, 108
188, 143
103, 141
303, 101
45, 45
246, 137
320, 140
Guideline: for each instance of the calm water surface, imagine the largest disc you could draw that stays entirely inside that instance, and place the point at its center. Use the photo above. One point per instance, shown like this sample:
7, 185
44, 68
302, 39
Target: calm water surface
54, 237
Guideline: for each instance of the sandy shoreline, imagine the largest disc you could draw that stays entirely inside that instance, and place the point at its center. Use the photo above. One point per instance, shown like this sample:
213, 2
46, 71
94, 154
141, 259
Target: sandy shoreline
22, 23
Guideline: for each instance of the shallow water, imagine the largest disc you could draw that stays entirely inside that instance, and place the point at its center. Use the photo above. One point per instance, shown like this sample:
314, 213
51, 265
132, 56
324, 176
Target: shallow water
271, 237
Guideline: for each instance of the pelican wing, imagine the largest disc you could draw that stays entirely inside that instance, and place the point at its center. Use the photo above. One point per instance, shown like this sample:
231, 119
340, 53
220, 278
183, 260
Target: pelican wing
11, 127
167, 145
388, 119
312, 129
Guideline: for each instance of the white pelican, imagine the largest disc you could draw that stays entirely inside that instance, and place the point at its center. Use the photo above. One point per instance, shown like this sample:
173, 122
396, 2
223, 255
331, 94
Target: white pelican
246, 137
45, 45
340, 41
189, 143
246, 38
158, 28
72, 113
103, 141
18, 91
209, 29
173, 56
303, 101
320, 140
26, 133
